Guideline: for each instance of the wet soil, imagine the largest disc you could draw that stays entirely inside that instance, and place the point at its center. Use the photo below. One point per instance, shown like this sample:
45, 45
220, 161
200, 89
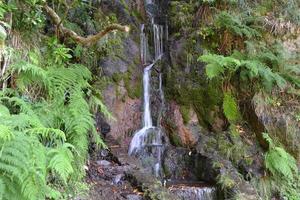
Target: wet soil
106, 175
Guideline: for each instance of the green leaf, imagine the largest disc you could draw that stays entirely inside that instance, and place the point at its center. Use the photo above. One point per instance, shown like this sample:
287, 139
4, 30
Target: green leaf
230, 108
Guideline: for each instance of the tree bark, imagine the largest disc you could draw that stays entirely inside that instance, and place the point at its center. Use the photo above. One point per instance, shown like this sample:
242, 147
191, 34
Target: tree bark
89, 40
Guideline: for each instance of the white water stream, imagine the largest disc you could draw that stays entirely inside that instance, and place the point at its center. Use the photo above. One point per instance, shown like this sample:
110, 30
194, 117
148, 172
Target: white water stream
149, 136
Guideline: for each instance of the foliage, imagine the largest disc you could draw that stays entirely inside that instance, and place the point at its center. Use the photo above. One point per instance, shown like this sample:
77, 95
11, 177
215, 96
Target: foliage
181, 14
279, 162
28, 14
235, 25
45, 124
226, 67
25, 165
230, 108
226, 181
217, 65
284, 169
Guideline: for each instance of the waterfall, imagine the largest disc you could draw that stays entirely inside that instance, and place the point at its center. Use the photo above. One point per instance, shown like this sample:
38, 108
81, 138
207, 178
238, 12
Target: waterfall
149, 137
158, 42
147, 110
144, 45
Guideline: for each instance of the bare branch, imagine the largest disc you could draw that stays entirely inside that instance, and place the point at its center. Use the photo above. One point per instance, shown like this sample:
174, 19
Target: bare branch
89, 40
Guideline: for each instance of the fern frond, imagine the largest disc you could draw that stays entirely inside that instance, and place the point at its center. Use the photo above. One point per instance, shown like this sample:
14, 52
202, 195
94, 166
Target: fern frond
29, 73
61, 159
50, 134
279, 162
6, 133
230, 108
217, 64
2, 188
4, 112
235, 25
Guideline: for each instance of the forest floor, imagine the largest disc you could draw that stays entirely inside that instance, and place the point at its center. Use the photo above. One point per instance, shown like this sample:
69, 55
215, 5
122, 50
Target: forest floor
107, 175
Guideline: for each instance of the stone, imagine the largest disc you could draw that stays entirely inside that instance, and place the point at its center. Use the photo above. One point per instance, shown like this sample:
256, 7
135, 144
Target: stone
195, 193
118, 179
178, 164
104, 152
279, 121
103, 163
181, 134
134, 197
111, 66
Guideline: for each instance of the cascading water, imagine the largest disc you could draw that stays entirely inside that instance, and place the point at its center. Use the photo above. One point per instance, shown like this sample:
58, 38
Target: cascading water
144, 45
149, 137
148, 142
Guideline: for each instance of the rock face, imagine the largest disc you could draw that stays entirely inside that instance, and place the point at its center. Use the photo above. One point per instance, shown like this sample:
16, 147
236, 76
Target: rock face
129, 59
279, 120
124, 107
180, 133
178, 164
126, 113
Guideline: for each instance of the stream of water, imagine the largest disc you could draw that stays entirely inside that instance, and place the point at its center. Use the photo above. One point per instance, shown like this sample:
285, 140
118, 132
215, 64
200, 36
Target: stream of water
148, 143
149, 136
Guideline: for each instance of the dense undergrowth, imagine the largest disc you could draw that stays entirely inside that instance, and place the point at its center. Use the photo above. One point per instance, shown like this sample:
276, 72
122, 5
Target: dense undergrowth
47, 105
244, 47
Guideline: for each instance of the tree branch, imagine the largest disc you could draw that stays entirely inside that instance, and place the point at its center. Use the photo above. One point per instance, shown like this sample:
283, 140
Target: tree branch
89, 40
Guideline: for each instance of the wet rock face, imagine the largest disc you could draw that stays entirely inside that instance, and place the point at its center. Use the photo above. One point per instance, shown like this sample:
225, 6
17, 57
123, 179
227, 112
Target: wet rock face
181, 134
134, 197
119, 8
178, 164
127, 114
183, 164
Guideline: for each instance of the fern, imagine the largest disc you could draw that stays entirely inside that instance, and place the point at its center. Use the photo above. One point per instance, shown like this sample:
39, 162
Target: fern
29, 73
235, 25
5, 133
4, 112
2, 188
61, 159
45, 125
221, 66
230, 108
278, 161
217, 64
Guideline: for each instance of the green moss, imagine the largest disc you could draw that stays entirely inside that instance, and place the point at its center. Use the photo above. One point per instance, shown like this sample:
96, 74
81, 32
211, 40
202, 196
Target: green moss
194, 90
137, 14
185, 113
134, 89
166, 171
175, 140
117, 77
225, 181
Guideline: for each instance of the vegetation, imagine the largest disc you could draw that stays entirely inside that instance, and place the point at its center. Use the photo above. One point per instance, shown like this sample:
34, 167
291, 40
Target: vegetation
235, 63
47, 106
242, 47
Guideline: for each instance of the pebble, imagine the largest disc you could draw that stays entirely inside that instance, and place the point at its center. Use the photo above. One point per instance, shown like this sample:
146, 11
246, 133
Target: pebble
103, 163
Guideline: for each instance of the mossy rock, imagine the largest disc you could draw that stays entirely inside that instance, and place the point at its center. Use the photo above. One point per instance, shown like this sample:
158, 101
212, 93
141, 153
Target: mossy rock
185, 113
